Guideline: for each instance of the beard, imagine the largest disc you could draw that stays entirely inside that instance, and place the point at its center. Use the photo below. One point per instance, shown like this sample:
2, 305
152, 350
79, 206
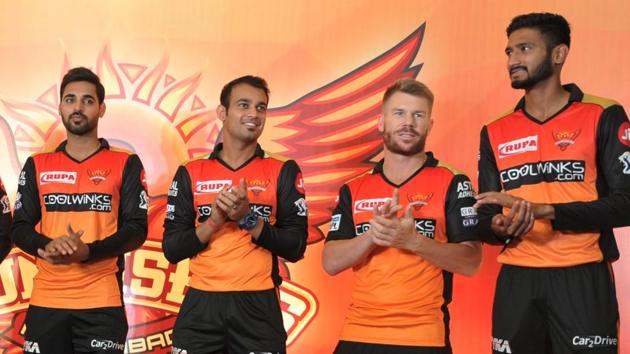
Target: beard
81, 129
409, 150
542, 72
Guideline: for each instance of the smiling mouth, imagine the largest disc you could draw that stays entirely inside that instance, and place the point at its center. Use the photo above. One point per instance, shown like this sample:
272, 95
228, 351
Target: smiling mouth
517, 69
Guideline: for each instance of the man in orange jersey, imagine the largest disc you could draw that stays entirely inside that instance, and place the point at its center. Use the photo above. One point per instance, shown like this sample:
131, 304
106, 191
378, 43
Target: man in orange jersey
79, 209
562, 161
5, 223
233, 213
404, 229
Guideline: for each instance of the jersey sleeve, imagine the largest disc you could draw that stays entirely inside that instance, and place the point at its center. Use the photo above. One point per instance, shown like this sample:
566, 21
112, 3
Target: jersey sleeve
5, 223
461, 218
488, 181
612, 207
28, 212
132, 215
287, 237
180, 239
342, 222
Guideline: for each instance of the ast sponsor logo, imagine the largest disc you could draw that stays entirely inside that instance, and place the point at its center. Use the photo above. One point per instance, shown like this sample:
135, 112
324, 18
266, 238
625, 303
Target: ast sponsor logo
564, 139
518, 146
465, 190
212, 186
65, 177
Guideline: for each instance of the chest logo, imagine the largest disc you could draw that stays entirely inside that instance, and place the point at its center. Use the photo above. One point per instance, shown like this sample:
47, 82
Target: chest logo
369, 204
518, 146
211, 186
419, 200
65, 177
257, 186
625, 160
98, 176
564, 139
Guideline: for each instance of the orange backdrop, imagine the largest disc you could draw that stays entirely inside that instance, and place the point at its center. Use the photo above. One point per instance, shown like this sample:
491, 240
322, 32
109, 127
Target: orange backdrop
327, 63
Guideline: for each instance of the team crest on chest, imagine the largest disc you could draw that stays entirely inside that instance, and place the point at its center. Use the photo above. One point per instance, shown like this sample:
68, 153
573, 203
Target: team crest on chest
564, 139
257, 186
98, 176
418, 200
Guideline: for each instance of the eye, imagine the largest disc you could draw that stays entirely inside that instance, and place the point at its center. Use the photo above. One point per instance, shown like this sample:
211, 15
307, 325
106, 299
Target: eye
88, 100
418, 115
244, 105
261, 108
68, 100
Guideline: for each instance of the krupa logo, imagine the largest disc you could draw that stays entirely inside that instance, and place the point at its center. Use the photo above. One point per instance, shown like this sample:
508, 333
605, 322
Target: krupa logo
211, 186
501, 345
518, 146
58, 177
369, 204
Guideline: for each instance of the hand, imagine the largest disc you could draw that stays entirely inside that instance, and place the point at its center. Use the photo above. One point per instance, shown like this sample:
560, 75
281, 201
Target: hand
66, 249
390, 231
517, 223
234, 201
503, 199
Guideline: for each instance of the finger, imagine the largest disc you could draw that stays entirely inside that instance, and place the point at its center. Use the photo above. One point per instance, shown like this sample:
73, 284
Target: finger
518, 219
223, 206
69, 229
522, 229
42, 253
243, 188
66, 246
395, 197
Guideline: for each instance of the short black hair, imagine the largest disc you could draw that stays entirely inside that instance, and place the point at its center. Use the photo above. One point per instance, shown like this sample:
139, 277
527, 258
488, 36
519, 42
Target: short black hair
250, 80
83, 74
553, 27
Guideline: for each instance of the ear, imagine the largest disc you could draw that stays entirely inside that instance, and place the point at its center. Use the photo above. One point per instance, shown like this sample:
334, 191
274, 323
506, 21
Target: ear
559, 54
221, 112
381, 123
430, 125
102, 109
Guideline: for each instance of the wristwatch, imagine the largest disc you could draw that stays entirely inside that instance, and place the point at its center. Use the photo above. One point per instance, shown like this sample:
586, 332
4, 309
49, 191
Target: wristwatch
249, 221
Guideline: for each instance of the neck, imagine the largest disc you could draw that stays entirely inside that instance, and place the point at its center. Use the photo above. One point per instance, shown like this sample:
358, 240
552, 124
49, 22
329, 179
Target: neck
79, 147
235, 153
546, 99
398, 168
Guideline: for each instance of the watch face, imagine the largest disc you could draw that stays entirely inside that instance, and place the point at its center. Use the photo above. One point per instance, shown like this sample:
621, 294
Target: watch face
249, 221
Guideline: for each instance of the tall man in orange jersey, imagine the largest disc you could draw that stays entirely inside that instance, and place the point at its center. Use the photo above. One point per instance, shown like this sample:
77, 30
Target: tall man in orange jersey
404, 229
5, 223
562, 161
233, 213
79, 209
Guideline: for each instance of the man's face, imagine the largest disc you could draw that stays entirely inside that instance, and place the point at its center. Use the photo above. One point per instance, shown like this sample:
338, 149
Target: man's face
79, 108
405, 123
529, 60
244, 120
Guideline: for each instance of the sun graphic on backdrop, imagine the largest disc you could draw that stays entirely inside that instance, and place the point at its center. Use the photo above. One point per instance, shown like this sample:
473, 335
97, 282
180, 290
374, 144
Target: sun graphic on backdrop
159, 117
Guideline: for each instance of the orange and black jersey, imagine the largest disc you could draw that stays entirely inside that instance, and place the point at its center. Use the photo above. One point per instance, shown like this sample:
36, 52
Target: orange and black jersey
233, 260
103, 195
399, 298
578, 161
5, 223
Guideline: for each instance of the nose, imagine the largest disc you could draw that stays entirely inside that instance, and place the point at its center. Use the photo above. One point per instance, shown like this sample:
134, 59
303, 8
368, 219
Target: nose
513, 59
